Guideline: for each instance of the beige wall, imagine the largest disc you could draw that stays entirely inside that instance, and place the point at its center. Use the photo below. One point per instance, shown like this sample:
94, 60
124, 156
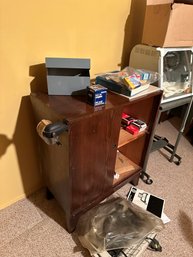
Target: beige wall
29, 32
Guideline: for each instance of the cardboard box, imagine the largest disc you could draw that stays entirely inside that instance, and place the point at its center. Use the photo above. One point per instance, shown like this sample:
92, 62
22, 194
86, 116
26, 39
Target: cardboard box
67, 76
168, 23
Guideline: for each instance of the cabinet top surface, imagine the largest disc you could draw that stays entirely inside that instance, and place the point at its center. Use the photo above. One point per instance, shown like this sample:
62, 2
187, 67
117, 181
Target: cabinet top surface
73, 107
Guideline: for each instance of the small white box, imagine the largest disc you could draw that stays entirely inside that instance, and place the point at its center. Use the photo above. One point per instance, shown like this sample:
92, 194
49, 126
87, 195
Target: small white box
175, 66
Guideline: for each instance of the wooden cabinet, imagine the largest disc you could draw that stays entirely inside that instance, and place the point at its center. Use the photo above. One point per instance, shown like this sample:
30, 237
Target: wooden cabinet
83, 170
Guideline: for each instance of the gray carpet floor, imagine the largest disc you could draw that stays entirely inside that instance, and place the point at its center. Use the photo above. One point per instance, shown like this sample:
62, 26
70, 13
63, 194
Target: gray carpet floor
34, 227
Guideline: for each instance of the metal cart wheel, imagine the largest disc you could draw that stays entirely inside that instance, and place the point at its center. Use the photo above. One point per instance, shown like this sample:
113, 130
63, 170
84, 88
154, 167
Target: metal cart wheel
146, 178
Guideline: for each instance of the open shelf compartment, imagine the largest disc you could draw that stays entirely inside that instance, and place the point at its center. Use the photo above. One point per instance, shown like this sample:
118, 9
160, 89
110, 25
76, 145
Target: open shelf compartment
125, 137
124, 168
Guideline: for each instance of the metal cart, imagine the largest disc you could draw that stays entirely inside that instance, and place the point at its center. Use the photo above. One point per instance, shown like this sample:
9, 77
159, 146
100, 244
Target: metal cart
158, 142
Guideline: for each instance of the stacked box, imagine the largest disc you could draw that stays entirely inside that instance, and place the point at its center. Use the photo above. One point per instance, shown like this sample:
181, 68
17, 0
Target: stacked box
168, 23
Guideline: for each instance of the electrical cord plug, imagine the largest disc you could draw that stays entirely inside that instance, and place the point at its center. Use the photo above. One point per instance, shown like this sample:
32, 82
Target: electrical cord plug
154, 244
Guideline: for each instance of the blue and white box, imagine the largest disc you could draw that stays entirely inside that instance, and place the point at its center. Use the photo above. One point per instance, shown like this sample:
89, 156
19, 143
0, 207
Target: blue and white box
96, 95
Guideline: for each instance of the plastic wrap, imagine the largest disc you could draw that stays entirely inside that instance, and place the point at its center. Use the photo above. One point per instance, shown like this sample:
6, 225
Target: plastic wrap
115, 224
141, 75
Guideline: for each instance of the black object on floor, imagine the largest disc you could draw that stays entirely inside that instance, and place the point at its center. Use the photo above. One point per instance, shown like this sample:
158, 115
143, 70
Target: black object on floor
154, 244
117, 253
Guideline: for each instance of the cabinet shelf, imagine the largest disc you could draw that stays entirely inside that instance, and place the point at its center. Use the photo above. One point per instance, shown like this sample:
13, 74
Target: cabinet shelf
124, 168
125, 137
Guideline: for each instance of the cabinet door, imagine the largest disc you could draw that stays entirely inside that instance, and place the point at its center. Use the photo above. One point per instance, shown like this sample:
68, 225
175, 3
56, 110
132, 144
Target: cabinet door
93, 146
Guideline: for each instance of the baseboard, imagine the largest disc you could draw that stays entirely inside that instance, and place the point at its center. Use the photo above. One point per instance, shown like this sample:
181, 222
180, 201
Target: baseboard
20, 197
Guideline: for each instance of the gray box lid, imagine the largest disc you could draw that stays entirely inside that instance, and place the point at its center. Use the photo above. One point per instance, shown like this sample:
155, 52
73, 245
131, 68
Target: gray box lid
69, 63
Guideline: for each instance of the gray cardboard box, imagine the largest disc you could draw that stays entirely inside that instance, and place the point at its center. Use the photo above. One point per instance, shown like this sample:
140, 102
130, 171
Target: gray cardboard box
67, 76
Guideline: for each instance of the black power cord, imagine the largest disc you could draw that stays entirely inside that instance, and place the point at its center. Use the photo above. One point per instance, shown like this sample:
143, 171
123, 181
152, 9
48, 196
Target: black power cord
154, 244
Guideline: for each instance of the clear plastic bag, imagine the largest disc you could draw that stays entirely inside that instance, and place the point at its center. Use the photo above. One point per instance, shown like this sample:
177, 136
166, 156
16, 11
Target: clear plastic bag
141, 76
115, 224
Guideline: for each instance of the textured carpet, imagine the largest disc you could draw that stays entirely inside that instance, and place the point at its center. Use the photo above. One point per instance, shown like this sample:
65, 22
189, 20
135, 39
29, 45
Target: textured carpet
35, 226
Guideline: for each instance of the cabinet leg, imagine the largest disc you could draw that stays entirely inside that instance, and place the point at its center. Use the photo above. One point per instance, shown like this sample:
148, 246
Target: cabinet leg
135, 180
71, 224
49, 195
